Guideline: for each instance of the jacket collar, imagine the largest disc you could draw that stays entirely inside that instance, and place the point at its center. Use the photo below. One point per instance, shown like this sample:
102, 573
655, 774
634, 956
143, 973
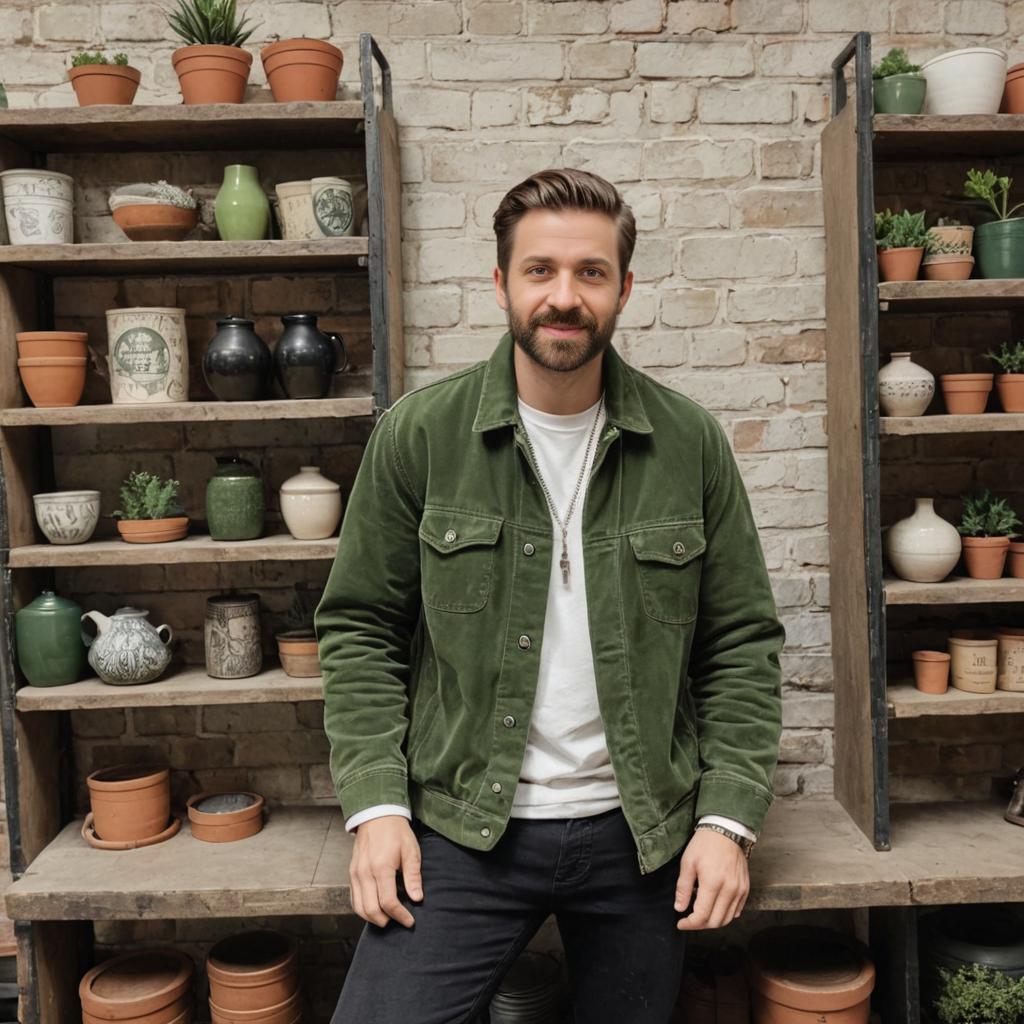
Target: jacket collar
498, 396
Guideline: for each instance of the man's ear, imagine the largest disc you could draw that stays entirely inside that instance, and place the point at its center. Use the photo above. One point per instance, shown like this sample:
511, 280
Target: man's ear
499, 288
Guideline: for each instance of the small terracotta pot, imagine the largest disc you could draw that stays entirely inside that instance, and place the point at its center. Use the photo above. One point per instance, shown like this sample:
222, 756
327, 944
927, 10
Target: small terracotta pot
152, 986
34, 344
1010, 388
153, 531
302, 69
90, 836
931, 671
105, 83
985, 557
229, 824
947, 268
900, 264
1013, 92
299, 653
974, 664
53, 382
253, 971
286, 1012
130, 802
211, 73
1016, 559
153, 222
966, 394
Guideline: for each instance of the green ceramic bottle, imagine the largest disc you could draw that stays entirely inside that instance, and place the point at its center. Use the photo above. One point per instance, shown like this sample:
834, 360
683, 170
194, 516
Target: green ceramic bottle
48, 634
235, 504
241, 209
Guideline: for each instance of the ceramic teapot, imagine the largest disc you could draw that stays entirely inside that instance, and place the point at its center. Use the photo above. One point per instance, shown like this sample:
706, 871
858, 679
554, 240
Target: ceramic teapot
126, 649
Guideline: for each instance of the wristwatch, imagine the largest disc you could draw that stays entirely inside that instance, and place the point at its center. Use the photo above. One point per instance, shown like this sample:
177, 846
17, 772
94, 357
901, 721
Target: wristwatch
745, 844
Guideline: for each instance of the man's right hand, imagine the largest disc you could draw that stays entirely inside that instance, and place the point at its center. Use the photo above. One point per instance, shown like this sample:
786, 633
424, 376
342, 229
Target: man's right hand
384, 846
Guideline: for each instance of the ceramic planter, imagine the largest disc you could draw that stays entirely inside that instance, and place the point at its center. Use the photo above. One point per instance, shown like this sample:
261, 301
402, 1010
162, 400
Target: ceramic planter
302, 69
295, 204
1013, 91
966, 394
306, 358
241, 209
237, 363
234, 500
34, 344
147, 354
53, 381
232, 636
154, 222
299, 653
904, 388
225, 817
252, 971
48, 636
966, 81
127, 650
1010, 674
947, 268
985, 557
973, 664
130, 802
900, 94
38, 206
999, 248
212, 73
287, 1012
67, 517
1016, 559
1010, 388
333, 208
931, 671
153, 531
104, 83
150, 984
310, 504
900, 264
952, 239
924, 547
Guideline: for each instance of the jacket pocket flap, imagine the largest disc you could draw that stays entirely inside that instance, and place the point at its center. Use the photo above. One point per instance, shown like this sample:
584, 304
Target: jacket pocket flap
448, 531
673, 544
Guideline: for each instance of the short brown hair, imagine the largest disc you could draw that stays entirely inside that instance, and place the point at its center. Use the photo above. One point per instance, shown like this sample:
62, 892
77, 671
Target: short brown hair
564, 188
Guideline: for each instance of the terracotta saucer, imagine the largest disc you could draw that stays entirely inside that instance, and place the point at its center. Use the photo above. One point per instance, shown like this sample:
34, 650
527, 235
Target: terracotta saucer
89, 835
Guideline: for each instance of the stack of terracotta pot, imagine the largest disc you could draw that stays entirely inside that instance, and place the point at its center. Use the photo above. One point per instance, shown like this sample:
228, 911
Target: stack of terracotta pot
153, 986
52, 366
254, 980
131, 807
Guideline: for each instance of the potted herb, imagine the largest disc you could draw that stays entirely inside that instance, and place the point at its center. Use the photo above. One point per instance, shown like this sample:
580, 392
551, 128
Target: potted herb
899, 86
947, 251
212, 67
1010, 383
977, 994
297, 645
986, 525
999, 243
302, 69
900, 238
150, 512
96, 79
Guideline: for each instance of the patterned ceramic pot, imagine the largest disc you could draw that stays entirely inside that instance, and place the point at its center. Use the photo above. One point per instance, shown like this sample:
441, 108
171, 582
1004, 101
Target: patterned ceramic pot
126, 649
235, 505
147, 353
333, 210
67, 517
295, 206
904, 388
232, 634
38, 206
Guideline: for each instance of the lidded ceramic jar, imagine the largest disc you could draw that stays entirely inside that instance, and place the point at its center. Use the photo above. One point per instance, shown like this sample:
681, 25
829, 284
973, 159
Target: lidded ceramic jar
48, 635
904, 388
235, 505
923, 547
310, 504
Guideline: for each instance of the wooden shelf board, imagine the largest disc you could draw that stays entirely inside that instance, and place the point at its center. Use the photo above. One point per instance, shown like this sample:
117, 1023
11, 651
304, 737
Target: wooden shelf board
954, 590
986, 423
189, 685
943, 136
267, 256
974, 294
283, 548
810, 855
189, 412
905, 701
149, 127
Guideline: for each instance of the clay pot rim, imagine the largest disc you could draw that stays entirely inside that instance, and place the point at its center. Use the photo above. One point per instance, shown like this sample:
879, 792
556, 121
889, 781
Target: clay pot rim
931, 261
149, 775
824, 998
90, 836
119, 1009
177, 520
241, 975
985, 542
1009, 378
300, 43
118, 70
38, 172
932, 656
901, 248
52, 336
255, 1015
963, 641
147, 309
44, 361
228, 818
966, 376
238, 53
965, 49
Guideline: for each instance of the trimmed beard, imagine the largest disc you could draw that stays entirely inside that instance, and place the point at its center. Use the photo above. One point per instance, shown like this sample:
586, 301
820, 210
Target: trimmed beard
563, 355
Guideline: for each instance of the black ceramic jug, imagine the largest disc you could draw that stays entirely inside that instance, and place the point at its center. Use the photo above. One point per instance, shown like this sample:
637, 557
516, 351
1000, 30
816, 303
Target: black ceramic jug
306, 357
237, 362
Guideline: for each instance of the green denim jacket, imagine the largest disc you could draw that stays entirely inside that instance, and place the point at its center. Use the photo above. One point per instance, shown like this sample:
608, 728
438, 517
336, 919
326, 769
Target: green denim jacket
431, 623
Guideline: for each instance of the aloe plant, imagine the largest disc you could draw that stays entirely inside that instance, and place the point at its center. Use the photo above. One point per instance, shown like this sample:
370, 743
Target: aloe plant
984, 515
209, 22
900, 230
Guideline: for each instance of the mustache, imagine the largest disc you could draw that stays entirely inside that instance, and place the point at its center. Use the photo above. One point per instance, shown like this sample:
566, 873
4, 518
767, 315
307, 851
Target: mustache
562, 323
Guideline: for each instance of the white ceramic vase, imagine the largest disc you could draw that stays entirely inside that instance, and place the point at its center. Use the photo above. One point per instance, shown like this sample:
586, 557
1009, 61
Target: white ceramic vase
147, 353
67, 517
38, 206
295, 210
967, 81
923, 547
904, 388
310, 504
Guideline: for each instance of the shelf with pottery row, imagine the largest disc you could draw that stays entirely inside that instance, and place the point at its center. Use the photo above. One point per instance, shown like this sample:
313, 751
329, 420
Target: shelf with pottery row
943, 136
983, 423
955, 590
904, 700
973, 294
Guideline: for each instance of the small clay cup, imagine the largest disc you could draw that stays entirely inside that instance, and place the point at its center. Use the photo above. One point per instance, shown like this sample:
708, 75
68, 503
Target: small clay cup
233, 819
931, 671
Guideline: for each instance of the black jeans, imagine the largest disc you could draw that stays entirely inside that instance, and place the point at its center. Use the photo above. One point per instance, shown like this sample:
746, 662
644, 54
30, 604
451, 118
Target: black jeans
480, 909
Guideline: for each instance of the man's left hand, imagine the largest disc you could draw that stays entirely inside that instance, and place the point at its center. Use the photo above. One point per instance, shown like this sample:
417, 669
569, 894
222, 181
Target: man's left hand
719, 867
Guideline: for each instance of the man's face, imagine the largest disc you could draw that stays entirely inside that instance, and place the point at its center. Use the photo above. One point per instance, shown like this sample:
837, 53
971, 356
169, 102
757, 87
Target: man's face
563, 273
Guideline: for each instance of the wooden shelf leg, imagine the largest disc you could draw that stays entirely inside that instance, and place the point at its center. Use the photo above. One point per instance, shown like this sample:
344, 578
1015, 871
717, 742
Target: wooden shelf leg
893, 939
52, 957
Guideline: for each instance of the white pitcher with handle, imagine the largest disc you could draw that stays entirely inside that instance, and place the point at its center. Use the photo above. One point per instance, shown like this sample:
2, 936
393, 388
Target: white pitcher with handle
127, 650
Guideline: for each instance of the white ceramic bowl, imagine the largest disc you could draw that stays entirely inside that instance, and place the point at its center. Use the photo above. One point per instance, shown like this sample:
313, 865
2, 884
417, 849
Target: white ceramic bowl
967, 81
67, 517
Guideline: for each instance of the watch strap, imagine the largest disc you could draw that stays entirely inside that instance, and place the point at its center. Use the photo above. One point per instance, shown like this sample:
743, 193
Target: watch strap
745, 844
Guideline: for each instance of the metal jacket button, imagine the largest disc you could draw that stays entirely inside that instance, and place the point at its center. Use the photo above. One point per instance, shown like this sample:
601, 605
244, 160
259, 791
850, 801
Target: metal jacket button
485, 832
528, 548
450, 536
525, 643
508, 721
495, 787
678, 548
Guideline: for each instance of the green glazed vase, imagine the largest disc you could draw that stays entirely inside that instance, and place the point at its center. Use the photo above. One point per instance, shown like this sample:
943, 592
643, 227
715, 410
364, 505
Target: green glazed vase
999, 248
241, 209
900, 94
235, 505
48, 634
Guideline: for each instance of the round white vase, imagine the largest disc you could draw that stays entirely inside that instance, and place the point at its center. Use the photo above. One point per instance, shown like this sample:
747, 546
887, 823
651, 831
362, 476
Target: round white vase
904, 388
923, 547
310, 504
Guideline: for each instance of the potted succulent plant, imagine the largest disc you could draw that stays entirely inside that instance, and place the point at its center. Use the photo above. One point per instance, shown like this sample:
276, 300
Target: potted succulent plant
947, 251
977, 994
986, 525
212, 67
1010, 383
150, 512
302, 69
899, 86
900, 238
998, 243
96, 79
297, 645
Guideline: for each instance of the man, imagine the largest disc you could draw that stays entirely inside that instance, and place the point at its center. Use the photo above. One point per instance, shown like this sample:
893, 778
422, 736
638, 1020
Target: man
549, 646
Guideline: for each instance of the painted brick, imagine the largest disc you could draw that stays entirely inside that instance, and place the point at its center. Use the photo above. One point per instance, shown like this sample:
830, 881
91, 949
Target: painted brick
494, 62
603, 60
686, 16
757, 104
431, 210
672, 103
767, 15
638, 16
491, 161
572, 18
718, 59
492, 109
698, 160
735, 256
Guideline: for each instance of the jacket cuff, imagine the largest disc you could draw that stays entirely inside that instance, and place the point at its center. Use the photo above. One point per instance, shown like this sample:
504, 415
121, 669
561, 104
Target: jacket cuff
383, 786
732, 798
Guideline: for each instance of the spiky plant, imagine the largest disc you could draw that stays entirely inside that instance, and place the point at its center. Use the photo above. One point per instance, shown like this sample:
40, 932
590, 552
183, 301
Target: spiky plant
905, 230
987, 516
209, 22
146, 496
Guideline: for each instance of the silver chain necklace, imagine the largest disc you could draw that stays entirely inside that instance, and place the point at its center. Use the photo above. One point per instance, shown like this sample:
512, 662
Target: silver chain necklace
564, 560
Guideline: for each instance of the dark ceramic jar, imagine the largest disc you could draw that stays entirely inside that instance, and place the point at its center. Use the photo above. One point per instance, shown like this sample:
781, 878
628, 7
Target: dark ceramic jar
234, 500
48, 633
237, 362
306, 357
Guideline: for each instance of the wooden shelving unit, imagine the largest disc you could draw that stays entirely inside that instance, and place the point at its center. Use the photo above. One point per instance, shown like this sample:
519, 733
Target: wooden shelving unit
48, 856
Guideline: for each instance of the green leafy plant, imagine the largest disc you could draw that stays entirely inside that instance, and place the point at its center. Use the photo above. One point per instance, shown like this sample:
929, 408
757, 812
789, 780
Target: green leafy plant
987, 516
895, 62
992, 189
1010, 358
900, 230
147, 496
83, 58
975, 994
209, 22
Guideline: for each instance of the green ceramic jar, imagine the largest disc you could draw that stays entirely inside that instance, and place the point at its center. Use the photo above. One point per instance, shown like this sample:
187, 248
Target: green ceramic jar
48, 634
235, 505
241, 209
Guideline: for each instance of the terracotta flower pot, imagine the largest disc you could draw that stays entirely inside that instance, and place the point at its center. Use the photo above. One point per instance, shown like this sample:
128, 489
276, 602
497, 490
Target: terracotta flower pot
53, 381
900, 264
153, 531
151, 985
974, 664
225, 817
302, 69
299, 653
1010, 388
130, 802
1013, 91
288, 1011
1016, 559
35, 344
212, 74
966, 394
253, 971
985, 557
105, 83
947, 268
931, 671
153, 222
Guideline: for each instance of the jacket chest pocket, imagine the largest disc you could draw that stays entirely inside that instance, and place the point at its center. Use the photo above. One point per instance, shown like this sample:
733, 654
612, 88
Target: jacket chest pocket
457, 559
667, 560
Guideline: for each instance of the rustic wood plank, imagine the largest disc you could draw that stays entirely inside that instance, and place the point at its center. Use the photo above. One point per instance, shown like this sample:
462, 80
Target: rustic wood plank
60, 953
391, 184
986, 423
932, 136
187, 686
283, 548
973, 294
905, 701
955, 590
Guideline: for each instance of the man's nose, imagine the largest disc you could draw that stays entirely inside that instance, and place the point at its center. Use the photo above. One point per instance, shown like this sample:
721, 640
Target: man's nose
564, 293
